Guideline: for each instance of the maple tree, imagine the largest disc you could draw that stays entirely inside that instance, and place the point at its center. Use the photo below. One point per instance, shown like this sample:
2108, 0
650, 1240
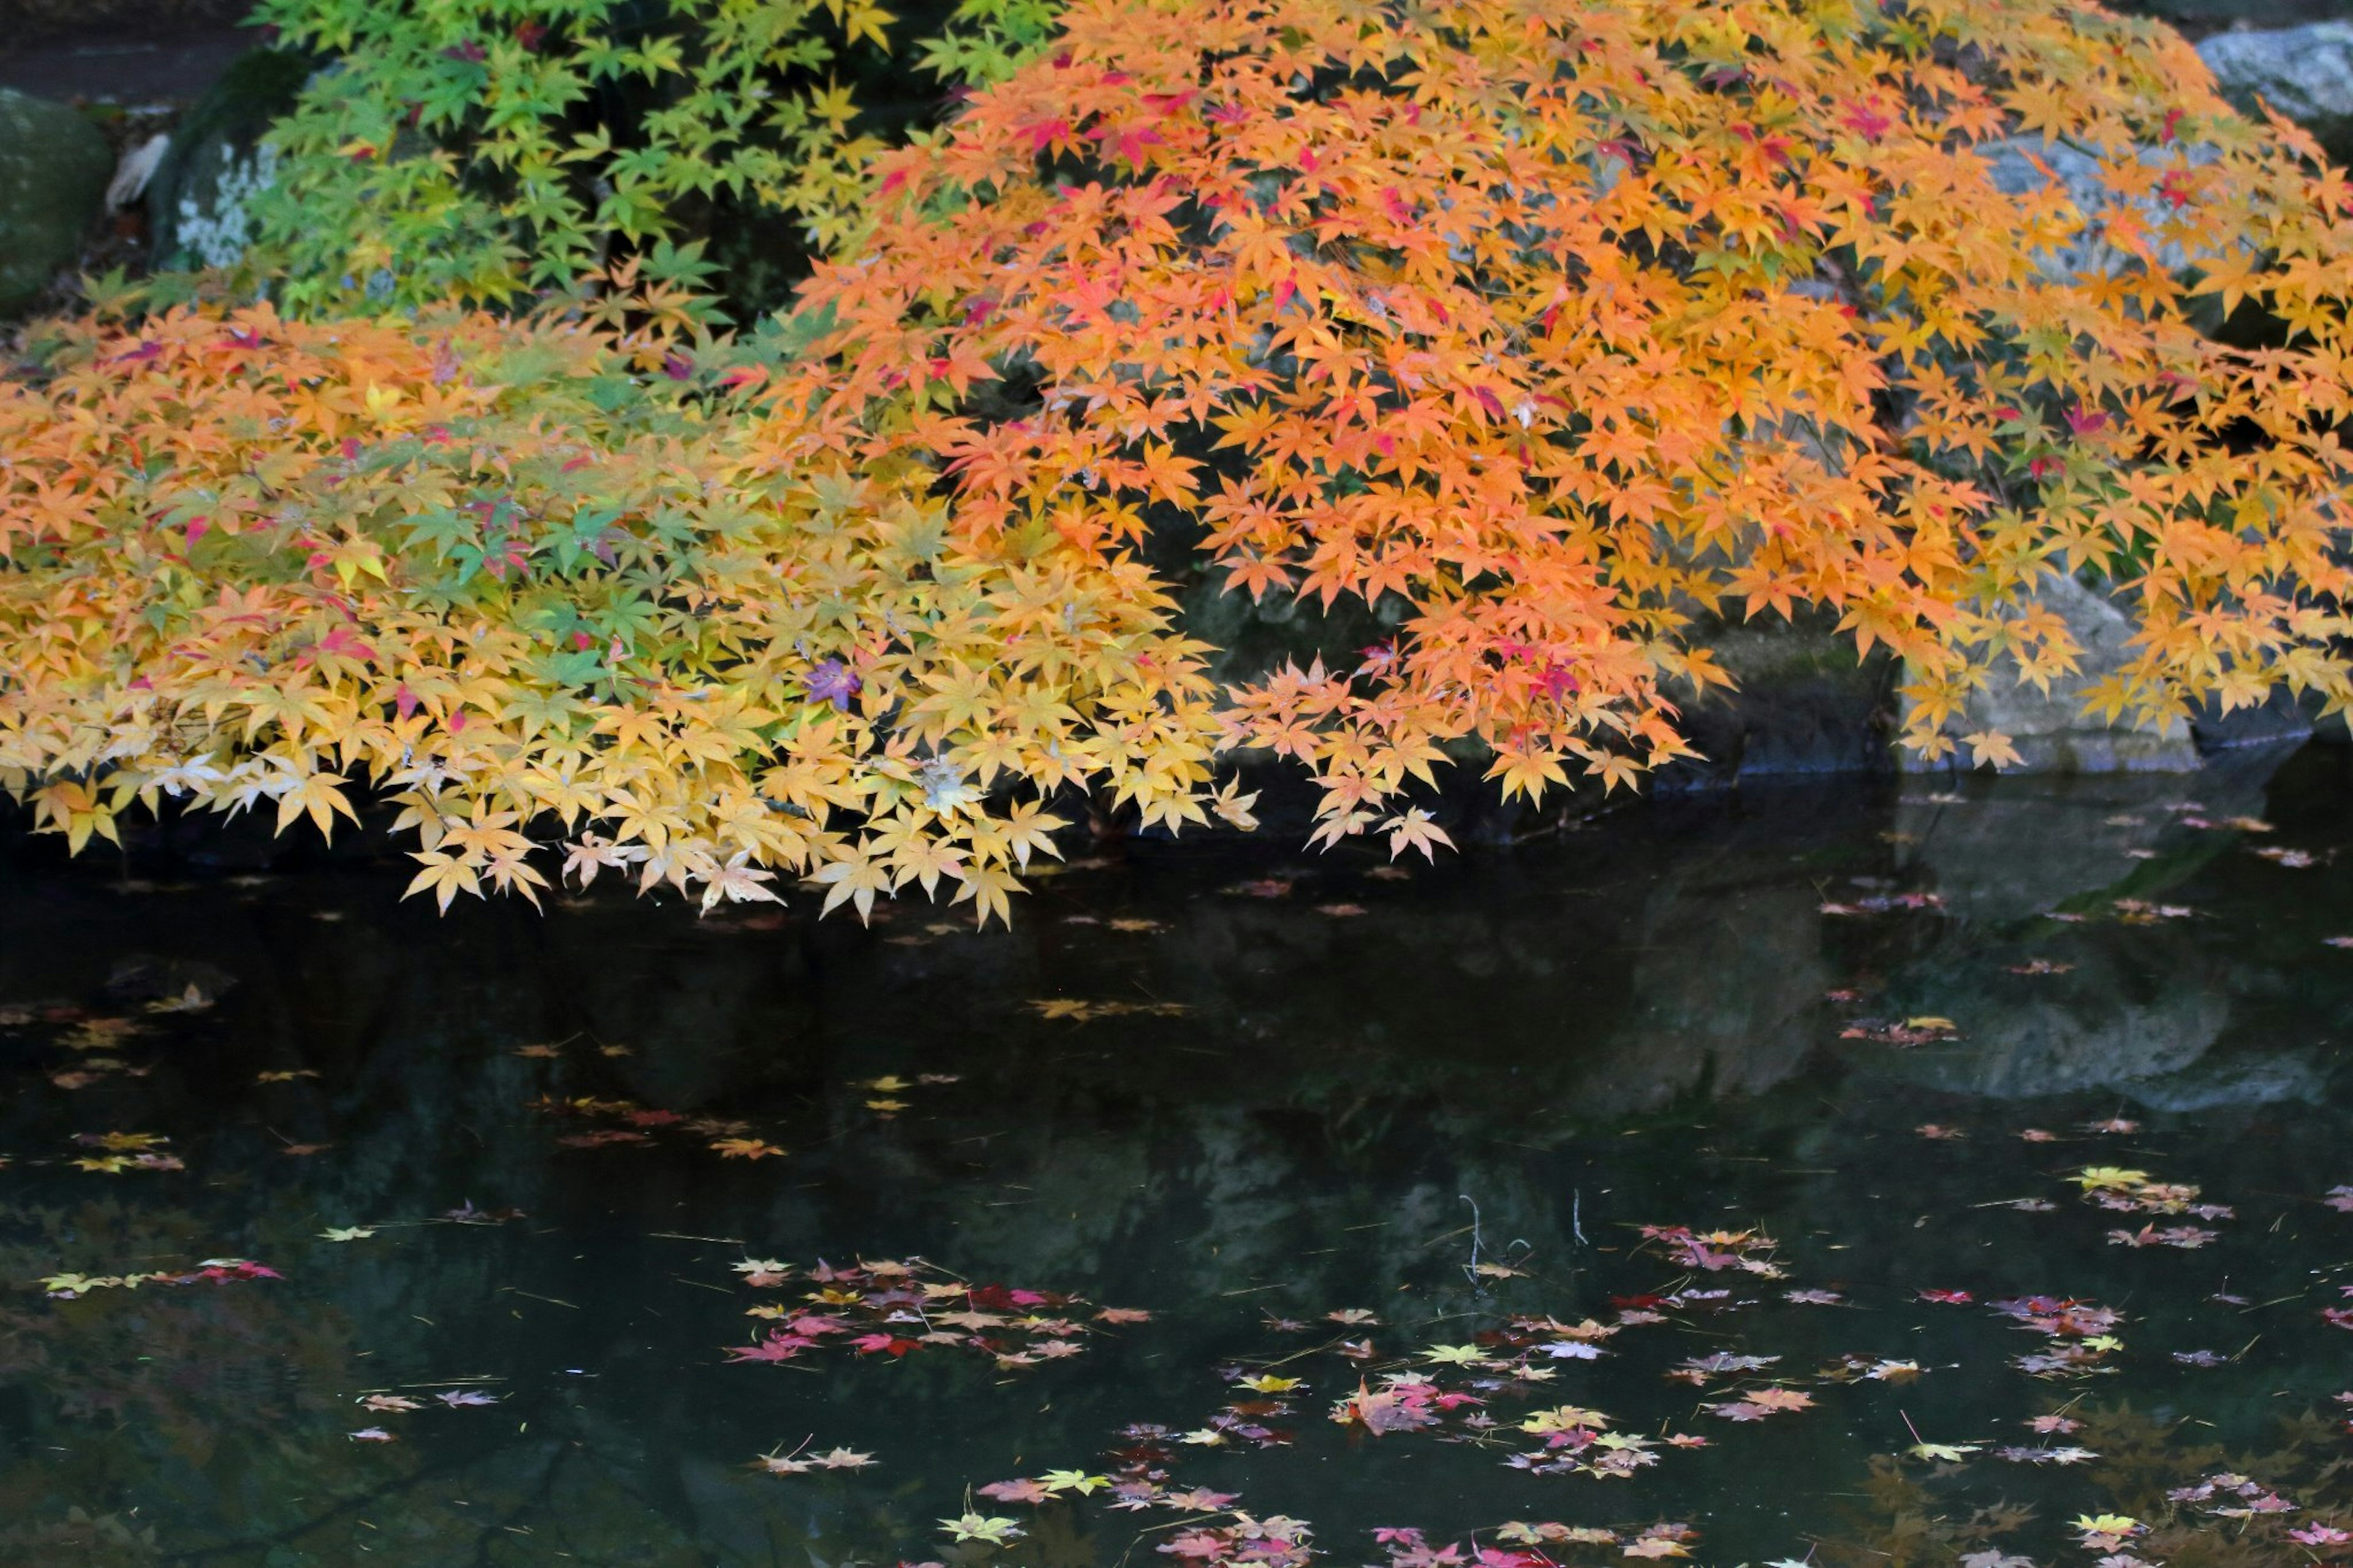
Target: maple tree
1539, 332
1551, 327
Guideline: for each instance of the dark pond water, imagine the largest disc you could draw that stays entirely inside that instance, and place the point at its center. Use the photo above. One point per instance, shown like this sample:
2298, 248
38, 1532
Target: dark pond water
1242, 1092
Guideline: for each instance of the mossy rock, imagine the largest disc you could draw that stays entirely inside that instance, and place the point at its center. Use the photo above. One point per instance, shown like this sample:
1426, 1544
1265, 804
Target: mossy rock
195, 209
53, 166
1805, 702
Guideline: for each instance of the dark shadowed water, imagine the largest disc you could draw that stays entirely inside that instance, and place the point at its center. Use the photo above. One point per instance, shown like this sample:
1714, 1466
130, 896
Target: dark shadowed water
1288, 1107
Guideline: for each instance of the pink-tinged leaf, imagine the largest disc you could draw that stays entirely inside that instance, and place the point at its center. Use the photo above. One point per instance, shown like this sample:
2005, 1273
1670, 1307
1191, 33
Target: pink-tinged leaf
777, 1346
1016, 1491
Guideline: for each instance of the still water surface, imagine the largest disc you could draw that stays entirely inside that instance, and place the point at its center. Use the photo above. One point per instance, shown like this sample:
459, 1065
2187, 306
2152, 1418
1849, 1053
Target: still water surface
1241, 1092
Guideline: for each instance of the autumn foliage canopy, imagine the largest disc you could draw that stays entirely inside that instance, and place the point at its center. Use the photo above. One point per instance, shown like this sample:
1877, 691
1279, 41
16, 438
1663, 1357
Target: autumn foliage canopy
1541, 331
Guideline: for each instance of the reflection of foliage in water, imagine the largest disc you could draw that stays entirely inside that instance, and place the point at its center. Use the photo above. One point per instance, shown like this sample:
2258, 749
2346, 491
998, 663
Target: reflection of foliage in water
1928, 1517
148, 1380
1295, 1142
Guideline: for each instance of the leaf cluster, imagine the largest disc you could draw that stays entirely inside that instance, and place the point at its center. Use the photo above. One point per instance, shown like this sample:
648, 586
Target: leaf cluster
538, 584
489, 150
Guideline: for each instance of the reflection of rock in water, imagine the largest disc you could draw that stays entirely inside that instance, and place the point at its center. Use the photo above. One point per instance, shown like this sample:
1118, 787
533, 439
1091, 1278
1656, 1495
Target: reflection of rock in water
2240, 1078
1727, 977
2034, 845
2142, 1003
2110, 1027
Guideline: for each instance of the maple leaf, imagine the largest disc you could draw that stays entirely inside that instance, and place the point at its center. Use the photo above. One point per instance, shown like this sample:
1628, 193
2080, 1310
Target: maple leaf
1016, 1491
2107, 1530
987, 1529
1233, 809
1393, 1409
1777, 1398
737, 881
1948, 1453
1565, 1418
388, 1402
745, 1148
320, 798
841, 1460
777, 1346
854, 881
1268, 1383
445, 876
1414, 828
832, 681
192, 999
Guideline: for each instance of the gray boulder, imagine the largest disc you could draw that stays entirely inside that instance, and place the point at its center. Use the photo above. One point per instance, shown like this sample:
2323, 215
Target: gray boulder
2305, 73
54, 168
2050, 729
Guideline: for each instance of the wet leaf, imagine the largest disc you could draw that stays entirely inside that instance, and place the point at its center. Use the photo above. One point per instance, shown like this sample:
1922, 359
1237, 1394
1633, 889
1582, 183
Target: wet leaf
989, 1530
